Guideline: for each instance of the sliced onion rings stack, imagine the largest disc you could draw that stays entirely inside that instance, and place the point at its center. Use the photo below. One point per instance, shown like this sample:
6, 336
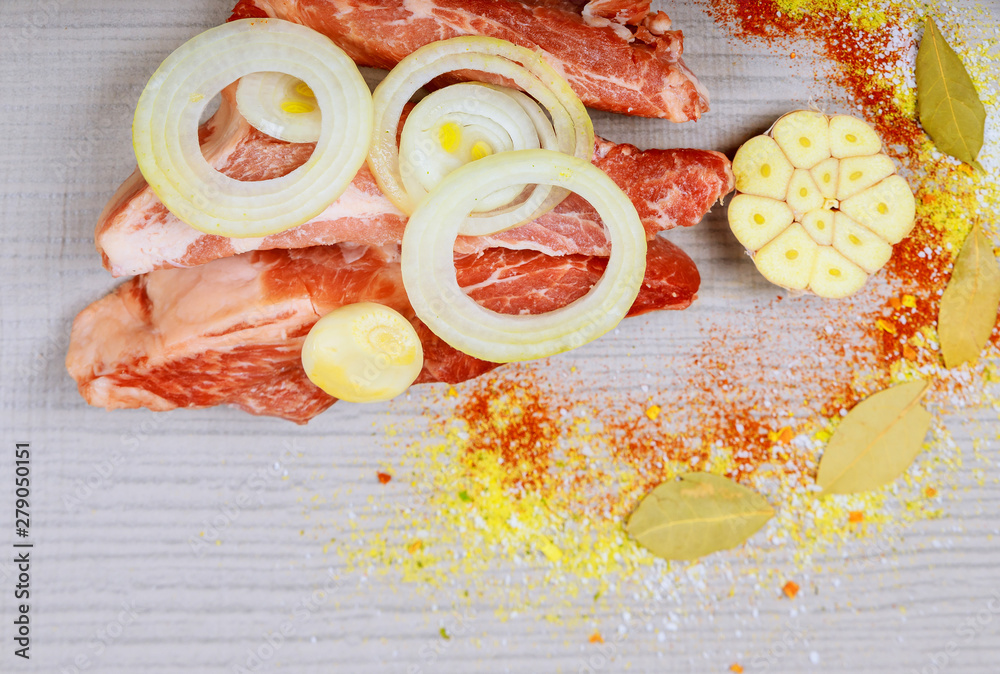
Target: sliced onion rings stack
572, 128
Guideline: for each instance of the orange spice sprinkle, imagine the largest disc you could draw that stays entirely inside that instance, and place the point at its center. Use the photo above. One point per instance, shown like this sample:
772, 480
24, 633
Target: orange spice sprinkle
783, 435
414, 547
736, 667
383, 477
791, 589
742, 425
517, 425
838, 40
596, 638
886, 326
856, 517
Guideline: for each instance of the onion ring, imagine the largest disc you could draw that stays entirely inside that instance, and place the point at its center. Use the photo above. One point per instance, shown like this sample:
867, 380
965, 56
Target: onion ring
428, 265
165, 128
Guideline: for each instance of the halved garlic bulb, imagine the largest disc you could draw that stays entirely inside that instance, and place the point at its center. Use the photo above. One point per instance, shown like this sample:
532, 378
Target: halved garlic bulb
818, 203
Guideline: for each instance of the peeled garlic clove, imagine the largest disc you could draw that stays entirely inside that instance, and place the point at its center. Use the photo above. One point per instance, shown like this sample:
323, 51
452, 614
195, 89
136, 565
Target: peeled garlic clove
760, 168
804, 137
756, 220
826, 174
819, 225
860, 245
834, 276
888, 208
852, 137
859, 173
363, 352
788, 259
803, 195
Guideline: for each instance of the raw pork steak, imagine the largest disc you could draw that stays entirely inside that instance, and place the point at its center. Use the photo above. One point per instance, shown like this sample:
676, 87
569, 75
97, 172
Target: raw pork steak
616, 54
231, 331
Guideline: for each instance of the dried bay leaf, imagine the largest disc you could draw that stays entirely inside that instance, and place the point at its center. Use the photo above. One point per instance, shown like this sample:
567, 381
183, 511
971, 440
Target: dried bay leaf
949, 107
970, 303
877, 441
697, 515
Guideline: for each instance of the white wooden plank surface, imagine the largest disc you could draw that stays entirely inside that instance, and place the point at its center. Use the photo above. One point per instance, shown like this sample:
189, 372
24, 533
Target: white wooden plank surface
117, 496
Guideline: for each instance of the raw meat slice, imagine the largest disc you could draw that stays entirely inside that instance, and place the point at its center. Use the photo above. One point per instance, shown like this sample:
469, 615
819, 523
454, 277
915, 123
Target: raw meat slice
608, 65
625, 12
136, 233
231, 331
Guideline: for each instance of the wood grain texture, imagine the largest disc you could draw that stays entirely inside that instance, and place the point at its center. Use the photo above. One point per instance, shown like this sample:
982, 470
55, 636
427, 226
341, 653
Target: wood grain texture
118, 497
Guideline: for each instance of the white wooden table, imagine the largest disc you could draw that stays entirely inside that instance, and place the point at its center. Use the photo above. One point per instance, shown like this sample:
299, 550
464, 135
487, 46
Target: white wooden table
117, 497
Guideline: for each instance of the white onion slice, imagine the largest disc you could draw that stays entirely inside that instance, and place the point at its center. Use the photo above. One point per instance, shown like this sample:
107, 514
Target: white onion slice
165, 128
572, 128
428, 264
464, 122
281, 106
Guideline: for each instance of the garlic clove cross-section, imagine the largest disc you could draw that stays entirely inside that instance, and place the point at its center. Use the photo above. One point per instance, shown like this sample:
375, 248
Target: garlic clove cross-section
756, 220
826, 174
763, 169
852, 137
804, 137
803, 194
819, 224
819, 205
859, 173
860, 245
834, 276
888, 209
788, 259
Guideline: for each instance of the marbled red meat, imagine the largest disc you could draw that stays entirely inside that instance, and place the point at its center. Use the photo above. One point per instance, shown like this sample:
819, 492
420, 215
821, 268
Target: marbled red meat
231, 331
136, 233
616, 54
